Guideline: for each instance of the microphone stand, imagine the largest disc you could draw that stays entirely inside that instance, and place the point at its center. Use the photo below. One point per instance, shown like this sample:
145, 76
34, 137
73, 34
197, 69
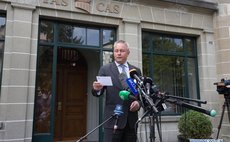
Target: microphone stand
151, 111
85, 136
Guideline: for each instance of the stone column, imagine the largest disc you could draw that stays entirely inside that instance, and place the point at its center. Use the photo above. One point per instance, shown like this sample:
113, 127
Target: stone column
18, 79
222, 34
132, 34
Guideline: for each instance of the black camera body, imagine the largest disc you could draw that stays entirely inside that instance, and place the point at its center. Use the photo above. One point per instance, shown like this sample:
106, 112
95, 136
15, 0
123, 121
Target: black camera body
223, 87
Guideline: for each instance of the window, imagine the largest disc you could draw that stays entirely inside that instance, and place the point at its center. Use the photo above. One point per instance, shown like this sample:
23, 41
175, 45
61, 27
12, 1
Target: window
2, 41
171, 61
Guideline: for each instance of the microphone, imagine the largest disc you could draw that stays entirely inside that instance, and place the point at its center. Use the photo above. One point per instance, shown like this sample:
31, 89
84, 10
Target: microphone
125, 95
199, 109
117, 112
133, 73
132, 86
148, 83
128, 84
194, 107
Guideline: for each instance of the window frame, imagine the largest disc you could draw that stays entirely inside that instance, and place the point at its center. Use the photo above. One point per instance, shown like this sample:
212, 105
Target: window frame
186, 54
2, 39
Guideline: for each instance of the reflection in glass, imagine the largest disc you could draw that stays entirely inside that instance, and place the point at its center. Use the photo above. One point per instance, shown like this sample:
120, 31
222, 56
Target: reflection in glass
169, 75
93, 37
46, 31
108, 38
145, 42
65, 33
1, 58
192, 85
172, 44
43, 90
2, 27
189, 46
147, 66
163, 43
79, 35
107, 57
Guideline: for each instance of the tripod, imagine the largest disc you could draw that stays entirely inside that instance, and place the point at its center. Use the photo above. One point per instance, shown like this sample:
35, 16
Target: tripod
226, 104
153, 119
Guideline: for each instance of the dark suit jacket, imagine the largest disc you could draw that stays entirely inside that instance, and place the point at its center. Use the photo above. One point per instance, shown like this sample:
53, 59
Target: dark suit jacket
112, 97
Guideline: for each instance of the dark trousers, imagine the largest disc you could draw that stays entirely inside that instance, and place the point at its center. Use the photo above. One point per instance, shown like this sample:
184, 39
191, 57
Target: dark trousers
120, 135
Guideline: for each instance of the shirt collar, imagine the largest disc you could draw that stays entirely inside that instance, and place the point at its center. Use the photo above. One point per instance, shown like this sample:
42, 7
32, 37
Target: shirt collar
126, 64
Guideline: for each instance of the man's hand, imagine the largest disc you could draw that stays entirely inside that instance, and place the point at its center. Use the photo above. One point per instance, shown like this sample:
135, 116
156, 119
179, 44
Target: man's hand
135, 106
97, 86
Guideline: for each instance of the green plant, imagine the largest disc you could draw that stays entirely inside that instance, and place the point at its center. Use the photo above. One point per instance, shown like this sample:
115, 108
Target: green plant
195, 125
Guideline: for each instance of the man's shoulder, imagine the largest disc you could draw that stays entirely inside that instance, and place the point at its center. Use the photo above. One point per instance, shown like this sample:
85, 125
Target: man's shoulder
133, 66
108, 65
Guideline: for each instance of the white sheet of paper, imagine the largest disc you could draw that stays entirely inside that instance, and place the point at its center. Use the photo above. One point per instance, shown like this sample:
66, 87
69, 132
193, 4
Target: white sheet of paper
105, 80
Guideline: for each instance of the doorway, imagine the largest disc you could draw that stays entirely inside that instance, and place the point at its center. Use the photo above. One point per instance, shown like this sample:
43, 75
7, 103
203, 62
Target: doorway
70, 102
68, 58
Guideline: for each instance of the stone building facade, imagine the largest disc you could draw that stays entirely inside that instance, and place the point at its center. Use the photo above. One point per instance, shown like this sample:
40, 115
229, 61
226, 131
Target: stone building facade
22, 37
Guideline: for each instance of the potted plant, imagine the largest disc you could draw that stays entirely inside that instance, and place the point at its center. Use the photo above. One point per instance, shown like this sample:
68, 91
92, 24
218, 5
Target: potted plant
194, 125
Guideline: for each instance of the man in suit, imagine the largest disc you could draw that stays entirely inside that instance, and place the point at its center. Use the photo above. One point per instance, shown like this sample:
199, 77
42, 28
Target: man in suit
126, 124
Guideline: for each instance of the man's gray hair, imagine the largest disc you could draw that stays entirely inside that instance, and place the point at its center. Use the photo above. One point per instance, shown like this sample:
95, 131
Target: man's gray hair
121, 41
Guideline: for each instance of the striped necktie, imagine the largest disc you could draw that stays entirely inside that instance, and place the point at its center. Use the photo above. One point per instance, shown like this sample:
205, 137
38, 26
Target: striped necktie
123, 70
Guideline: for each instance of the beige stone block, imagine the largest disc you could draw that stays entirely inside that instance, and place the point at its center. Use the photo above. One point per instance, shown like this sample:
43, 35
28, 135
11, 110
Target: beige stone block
190, 31
223, 32
31, 93
147, 25
80, 16
23, 15
15, 94
186, 19
172, 17
21, 29
208, 22
172, 29
47, 12
9, 29
34, 45
223, 21
12, 125
131, 29
18, 77
46, 4
130, 12
223, 68
207, 60
64, 14
223, 44
158, 15
99, 19
33, 62
160, 27
6, 61
21, 45
3, 6
132, 40
207, 72
197, 21
29, 124
146, 13
112, 21
224, 56
34, 31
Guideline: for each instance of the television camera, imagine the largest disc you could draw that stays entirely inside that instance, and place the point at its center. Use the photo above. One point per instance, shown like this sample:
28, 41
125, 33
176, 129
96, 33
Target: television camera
223, 87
